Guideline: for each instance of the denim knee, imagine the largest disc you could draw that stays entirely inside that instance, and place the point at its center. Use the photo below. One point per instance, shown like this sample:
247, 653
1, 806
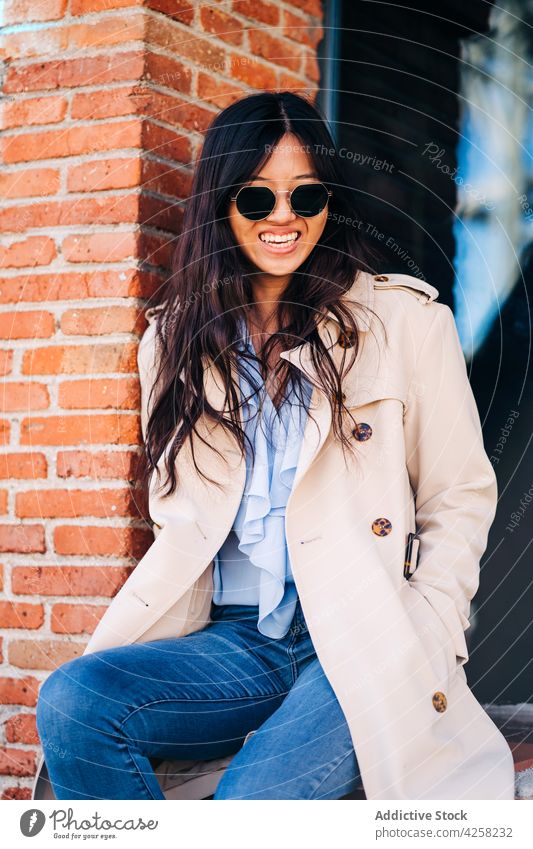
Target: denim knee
68, 697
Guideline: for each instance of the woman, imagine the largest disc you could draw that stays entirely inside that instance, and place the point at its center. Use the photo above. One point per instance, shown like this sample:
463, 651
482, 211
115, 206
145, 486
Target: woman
312, 447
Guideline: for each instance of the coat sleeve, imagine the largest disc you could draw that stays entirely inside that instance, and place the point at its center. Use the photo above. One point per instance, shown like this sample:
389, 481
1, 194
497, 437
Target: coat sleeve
452, 478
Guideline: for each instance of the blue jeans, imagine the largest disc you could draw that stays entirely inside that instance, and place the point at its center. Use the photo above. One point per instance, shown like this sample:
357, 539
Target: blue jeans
103, 715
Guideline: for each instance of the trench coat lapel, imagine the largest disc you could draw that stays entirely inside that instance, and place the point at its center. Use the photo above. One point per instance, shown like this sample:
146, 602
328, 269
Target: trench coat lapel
317, 429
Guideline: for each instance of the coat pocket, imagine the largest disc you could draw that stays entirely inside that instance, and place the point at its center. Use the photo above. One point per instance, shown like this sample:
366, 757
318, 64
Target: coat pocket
434, 636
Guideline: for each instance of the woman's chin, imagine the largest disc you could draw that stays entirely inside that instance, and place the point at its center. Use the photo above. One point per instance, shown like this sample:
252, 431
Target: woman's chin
277, 265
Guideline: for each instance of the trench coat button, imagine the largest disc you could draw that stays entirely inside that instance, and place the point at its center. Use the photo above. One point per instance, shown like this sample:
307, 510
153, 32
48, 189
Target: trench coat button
362, 431
346, 340
381, 527
440, 702
381, 278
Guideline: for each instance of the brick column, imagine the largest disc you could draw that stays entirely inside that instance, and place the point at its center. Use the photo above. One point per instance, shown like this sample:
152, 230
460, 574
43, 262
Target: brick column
104, 107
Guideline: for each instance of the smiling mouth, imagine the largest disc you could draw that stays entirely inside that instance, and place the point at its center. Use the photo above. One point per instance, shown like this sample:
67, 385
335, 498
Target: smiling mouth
280, 244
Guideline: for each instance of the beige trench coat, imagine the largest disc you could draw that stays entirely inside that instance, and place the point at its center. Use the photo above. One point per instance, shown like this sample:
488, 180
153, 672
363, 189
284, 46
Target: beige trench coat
390, 637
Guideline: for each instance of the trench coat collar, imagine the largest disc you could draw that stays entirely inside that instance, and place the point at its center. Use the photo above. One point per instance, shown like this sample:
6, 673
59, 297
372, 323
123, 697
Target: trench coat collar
361, 293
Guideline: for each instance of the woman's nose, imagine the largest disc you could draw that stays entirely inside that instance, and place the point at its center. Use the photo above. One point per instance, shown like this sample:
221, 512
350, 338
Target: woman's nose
282, 210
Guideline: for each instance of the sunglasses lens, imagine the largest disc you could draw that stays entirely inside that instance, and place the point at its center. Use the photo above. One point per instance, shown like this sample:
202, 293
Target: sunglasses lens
255, 202
309, 200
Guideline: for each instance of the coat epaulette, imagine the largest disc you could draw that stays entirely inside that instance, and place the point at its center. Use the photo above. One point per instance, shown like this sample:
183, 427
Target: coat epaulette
425, 292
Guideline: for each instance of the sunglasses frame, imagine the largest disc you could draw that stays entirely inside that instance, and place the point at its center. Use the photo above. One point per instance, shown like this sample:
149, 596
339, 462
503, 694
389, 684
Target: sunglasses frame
277, 192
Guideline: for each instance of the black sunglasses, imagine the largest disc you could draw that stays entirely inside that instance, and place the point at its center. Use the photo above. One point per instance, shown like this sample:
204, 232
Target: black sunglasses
306, 200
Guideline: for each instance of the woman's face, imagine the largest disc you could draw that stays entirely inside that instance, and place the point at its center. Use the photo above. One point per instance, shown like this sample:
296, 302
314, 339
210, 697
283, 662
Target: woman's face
288, 166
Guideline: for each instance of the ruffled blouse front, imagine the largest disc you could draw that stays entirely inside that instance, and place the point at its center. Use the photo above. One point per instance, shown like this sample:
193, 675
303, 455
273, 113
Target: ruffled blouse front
253, 565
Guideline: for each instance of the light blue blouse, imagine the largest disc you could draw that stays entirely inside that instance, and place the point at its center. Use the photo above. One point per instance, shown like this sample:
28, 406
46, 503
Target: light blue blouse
253, 565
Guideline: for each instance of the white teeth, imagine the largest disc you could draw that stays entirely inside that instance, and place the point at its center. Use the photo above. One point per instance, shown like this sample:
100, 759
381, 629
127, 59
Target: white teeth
270, 237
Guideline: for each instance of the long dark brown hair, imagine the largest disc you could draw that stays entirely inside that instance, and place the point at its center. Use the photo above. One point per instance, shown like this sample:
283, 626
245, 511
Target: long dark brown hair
210, 289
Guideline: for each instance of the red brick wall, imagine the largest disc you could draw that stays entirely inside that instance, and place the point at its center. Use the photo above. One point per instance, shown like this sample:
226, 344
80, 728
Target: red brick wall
105, 103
